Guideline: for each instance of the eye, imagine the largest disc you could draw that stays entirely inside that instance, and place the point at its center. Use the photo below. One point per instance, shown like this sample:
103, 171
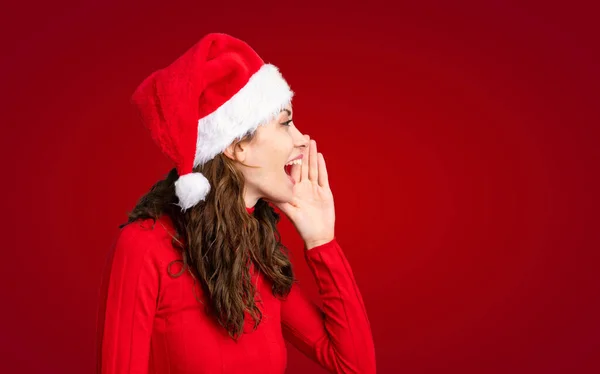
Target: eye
287, 123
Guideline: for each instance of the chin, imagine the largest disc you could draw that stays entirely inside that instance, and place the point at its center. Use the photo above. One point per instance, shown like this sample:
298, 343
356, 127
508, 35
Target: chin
282, 195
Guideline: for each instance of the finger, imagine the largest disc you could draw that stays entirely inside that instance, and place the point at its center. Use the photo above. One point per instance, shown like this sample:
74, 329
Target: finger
286, 208
304, 162
323, 177
313, 170
281, 206
305, 166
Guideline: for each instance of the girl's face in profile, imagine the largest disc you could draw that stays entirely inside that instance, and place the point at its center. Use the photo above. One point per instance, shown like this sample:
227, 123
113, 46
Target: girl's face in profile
274, 145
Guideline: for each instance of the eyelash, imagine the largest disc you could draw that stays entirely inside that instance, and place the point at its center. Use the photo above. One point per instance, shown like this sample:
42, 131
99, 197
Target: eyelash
287, 123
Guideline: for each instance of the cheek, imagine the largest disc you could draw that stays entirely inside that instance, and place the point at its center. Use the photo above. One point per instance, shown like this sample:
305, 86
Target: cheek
277, 157
278, 150
272, 153
268, 160
285, 149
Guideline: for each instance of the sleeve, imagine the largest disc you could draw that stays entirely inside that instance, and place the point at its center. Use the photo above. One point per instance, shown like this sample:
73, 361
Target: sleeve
338, 335
128, 303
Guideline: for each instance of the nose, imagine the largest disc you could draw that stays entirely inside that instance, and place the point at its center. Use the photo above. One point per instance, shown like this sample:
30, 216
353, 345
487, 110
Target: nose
304, 141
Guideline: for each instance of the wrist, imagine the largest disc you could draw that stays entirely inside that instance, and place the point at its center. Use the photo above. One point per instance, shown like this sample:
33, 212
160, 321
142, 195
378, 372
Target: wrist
309, 244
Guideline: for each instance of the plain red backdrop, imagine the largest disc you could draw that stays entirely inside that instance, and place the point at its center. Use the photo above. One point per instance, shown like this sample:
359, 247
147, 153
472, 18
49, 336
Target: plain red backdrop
461, 146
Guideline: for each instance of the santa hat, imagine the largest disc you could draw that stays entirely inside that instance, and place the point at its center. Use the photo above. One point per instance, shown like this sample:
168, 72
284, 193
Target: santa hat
216, 92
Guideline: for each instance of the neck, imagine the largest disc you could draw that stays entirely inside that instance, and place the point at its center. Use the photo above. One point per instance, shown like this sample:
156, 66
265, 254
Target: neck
250, 199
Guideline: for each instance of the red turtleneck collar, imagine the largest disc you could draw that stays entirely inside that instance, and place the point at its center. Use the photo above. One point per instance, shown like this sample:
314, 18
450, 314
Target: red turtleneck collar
250, 210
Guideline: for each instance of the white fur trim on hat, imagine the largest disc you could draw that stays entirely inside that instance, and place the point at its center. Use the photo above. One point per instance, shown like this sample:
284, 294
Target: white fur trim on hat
261, 99
190, 189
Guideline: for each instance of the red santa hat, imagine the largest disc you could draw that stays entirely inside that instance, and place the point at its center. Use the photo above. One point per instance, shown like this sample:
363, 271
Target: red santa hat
216, 92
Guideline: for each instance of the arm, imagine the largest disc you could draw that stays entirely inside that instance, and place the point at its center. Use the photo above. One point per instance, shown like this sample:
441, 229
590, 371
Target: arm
338, 336
128, 305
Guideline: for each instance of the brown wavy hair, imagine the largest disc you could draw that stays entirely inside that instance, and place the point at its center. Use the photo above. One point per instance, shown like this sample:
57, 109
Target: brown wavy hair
221, 239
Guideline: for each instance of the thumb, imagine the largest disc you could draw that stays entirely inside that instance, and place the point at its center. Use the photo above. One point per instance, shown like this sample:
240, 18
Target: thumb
285, 208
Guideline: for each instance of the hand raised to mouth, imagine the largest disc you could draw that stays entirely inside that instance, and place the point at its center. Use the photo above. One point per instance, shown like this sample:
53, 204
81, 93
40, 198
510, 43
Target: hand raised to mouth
311, 208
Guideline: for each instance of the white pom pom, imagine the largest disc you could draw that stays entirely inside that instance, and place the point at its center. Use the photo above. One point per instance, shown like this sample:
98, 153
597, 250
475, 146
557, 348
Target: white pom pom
190, 189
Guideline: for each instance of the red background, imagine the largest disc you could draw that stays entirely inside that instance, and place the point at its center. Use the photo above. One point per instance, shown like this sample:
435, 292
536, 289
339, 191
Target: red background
461, 146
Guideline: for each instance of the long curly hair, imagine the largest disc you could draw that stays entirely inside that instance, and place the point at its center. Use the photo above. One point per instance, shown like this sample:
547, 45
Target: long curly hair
221, 239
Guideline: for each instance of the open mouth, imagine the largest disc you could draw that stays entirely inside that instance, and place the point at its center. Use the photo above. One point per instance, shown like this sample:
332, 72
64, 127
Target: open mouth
288, 168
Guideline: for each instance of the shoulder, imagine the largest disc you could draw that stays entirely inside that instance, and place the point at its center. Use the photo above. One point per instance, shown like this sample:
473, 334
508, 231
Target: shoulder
146, 239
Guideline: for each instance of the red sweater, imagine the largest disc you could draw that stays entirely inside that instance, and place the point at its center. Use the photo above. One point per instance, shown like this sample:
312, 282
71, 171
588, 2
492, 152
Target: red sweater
150, 321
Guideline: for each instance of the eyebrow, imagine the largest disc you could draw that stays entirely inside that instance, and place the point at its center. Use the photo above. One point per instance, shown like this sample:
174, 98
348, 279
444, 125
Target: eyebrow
288, 111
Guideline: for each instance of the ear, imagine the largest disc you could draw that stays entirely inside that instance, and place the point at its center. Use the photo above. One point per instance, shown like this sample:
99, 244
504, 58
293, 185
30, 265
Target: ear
236, 151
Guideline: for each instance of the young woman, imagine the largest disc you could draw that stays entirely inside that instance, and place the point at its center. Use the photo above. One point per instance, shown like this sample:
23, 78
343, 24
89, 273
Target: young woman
198, 280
